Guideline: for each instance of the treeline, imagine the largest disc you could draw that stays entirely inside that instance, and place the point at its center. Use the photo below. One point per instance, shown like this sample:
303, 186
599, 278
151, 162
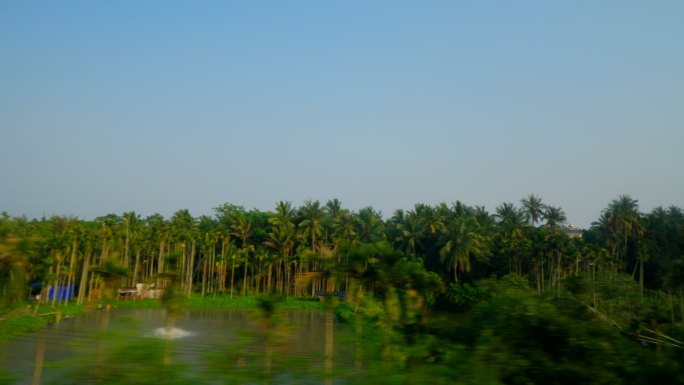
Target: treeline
318, 247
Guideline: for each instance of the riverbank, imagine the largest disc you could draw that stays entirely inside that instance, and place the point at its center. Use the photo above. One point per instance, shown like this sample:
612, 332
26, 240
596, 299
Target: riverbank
25, 318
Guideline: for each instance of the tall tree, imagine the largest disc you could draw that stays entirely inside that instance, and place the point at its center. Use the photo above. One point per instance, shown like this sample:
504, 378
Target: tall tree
368, 225
533, 208
512, 237
311, 224
554, 217
463, 242
621, 225
243, 230
185, 234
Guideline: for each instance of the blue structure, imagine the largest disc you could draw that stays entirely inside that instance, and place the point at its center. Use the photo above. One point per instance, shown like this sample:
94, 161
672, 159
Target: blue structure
63, 292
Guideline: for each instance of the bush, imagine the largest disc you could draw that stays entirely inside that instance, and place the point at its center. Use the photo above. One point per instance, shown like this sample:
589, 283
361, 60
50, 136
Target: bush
463, 297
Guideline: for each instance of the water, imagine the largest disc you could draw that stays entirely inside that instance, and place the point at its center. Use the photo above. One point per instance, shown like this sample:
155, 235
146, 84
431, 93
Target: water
129, 337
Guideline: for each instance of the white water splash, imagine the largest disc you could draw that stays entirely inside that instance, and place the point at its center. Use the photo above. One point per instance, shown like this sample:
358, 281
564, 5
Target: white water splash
172, 333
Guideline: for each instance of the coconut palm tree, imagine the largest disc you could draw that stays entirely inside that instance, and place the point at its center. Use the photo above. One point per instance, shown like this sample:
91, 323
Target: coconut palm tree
243, 230
284, 214
512, 235
510, 218
368, 225
621, 225
282, 239
463, 242
432, 221
333, 211
409, 230
533, 208
184, 230
554, 216
311, 224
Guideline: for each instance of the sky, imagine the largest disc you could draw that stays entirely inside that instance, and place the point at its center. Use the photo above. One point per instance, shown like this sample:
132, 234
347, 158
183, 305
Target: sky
156, 106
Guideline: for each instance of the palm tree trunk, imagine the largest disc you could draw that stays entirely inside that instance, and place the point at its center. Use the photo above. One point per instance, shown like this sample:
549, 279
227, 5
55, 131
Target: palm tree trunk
55, 286
160, 259
136, 267
126, 259
84, 278
183, 270
232, 276
244, 281
70, 275
258, 275
91, 285
191, 267
542, 275
641, 277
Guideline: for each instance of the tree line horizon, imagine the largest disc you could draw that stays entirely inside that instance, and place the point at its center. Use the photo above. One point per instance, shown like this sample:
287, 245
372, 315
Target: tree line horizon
240, 251
534, 305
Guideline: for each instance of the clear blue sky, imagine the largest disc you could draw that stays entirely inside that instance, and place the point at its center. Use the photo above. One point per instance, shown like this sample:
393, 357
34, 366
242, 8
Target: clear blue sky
155, 106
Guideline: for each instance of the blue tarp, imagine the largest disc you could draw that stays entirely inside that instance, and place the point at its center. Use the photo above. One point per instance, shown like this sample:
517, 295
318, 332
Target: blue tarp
63, 292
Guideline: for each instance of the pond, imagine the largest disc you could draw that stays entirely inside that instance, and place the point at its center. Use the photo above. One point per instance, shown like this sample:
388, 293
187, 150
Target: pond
211, 346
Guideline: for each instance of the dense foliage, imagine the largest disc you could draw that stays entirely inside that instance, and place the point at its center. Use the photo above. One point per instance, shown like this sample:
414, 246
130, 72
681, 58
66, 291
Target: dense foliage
291, 251
537, 305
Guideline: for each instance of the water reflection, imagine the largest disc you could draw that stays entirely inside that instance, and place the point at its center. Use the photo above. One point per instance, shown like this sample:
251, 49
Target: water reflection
204, 344
170, 333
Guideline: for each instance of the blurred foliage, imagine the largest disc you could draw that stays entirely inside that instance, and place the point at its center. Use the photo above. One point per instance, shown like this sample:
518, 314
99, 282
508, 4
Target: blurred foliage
6, 378
124, 358
463, 297
510, 335
533, 306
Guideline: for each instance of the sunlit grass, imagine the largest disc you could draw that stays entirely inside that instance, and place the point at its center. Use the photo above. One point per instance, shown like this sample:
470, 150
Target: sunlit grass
25, 318
226, 302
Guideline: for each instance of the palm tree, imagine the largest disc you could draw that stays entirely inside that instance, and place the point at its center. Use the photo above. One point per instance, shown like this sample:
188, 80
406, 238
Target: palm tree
621, 224
430, 217
510, 217
533, 208
282, 239
185, 234
89, 239
463, 242
344, 229
554, 216
311, 224
159, 236
368, 225
409, 231
242, 229
130, 219
333, 211
283, 214
512, 234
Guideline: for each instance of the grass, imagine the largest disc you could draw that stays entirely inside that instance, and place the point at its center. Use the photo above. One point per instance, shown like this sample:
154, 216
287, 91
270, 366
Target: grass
19, 319
226, 302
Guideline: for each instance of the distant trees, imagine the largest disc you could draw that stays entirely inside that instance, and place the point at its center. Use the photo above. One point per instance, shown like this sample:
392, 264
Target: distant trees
236, 250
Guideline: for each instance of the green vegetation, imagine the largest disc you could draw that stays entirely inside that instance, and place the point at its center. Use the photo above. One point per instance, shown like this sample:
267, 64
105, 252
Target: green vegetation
225, 302
24, 318
533, 304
